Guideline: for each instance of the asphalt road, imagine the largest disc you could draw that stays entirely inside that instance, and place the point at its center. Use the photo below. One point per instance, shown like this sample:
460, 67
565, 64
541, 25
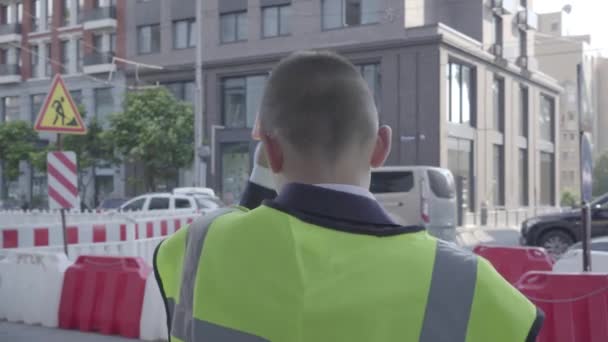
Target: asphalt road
467, 238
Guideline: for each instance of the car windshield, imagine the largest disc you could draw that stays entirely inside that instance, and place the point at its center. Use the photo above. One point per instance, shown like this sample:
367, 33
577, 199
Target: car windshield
601, 201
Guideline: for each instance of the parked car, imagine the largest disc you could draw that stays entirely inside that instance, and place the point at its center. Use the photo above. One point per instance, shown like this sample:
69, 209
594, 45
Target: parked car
418, 195
194, 191
205, 197
557, 232
599, 244
111, 203
572, 259
160, 201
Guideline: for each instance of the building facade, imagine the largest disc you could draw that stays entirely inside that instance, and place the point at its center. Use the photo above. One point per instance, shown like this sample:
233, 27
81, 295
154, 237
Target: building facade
558, 54
458, 82
78, 39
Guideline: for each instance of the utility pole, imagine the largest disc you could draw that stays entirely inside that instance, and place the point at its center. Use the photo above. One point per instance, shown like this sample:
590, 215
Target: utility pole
198, 98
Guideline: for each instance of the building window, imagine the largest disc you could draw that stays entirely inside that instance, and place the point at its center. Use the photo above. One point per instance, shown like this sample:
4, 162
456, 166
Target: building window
65, 56
241, 100
555, 27
36, 101
498, 37
19, 12
148, 39
35, 18
11, 108
233, 27
184, 32
76, 97
183, 91
498, 92
34, 60
371, 75
523, 178
235, 166
276, 21
66, 12
461, 163
48, 70
79, 55
547, 179
345, 13
104, 104
460, 93
79, 7
498, 179
523, 111
98, 42
49, 14
547, 117
112, 42
523, 3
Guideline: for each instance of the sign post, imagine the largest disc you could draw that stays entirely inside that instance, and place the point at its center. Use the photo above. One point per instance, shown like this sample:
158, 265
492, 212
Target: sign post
586, 164
60, 115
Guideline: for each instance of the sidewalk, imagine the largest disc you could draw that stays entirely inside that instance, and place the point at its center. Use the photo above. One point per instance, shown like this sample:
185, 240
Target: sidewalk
469, 237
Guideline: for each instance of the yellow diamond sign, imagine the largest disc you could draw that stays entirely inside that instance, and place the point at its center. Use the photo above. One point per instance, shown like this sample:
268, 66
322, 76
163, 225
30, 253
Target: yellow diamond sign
59, 114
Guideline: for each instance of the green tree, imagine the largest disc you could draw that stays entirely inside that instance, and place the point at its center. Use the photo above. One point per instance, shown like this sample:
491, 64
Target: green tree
600, 175
155, 130
17, 142
568, 199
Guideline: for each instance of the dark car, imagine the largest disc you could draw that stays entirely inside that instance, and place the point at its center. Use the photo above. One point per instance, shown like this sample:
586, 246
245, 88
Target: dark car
557, 232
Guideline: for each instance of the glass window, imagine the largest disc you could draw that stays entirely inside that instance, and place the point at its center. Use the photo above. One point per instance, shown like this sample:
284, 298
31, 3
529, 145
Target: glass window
523, 177
523, 111
48, 71
66, 12
523, 43
241, 100
235, 166
547, 179
11, 108
36, 17
20, 12
34, 60
148, 39
498, 29
183, 34
49, 14
460, 93
79, 7
343, 13
135, 205
104, 104
233, 27
276, 21
98, 42
547, 117
182, 203
498, 180
36, 101
79, 54
442, 184
460, 163
159, 203
371, 74
112, 42
390, 182
498, 92
65, 56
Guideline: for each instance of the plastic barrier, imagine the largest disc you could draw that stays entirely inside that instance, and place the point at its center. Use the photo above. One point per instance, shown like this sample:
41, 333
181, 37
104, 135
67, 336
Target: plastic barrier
575, 305
513, 262
153, 325
104, 294
572, 261
30, 286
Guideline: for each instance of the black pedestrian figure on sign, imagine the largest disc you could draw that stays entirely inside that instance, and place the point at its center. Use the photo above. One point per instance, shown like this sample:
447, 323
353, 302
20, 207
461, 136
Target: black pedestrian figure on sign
59, 113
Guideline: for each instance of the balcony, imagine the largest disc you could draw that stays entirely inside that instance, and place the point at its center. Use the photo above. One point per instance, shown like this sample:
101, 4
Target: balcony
99, 18
10, 33
96, 63
504, 6
527, 19
10, 73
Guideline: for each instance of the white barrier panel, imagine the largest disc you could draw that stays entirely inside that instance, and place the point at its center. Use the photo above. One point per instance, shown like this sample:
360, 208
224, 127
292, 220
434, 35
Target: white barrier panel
30, 286
153, 324
572, 261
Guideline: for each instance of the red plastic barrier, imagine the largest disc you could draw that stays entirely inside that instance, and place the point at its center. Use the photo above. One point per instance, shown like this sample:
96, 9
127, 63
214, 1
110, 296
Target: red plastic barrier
575, 305
104, 294
513, 262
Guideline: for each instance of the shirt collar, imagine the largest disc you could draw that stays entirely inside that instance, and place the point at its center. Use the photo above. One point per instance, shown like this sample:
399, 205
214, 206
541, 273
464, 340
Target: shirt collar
351, 189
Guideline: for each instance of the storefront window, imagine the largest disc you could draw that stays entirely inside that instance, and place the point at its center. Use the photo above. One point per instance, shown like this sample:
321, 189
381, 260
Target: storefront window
235, 166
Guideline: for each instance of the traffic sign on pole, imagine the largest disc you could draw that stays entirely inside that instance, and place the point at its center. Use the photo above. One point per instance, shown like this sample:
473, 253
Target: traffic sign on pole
62, 180
59, 114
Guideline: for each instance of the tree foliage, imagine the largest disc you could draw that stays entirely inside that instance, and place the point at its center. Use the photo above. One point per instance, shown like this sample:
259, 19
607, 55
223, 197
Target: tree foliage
17, 143
600, 175
568, 199
156, 130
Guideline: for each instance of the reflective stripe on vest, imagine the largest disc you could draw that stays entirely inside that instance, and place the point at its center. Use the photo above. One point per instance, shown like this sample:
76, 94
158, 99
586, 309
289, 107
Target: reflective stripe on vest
184, 325
450, 297
447, 312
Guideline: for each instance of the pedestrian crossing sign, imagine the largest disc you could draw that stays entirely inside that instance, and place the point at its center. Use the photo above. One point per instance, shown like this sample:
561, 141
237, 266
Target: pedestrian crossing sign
59, 114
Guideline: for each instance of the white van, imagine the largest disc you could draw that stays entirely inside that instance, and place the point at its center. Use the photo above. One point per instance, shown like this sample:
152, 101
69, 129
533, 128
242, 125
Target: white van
418, 195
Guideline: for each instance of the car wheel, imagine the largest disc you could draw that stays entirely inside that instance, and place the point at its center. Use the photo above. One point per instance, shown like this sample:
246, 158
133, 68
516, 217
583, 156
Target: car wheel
556, 242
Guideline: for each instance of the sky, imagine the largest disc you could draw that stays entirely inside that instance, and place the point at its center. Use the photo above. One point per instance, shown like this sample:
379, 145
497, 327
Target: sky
587, 17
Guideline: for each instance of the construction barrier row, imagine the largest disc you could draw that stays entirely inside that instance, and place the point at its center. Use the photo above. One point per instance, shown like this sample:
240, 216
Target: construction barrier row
575, 304
27, 236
